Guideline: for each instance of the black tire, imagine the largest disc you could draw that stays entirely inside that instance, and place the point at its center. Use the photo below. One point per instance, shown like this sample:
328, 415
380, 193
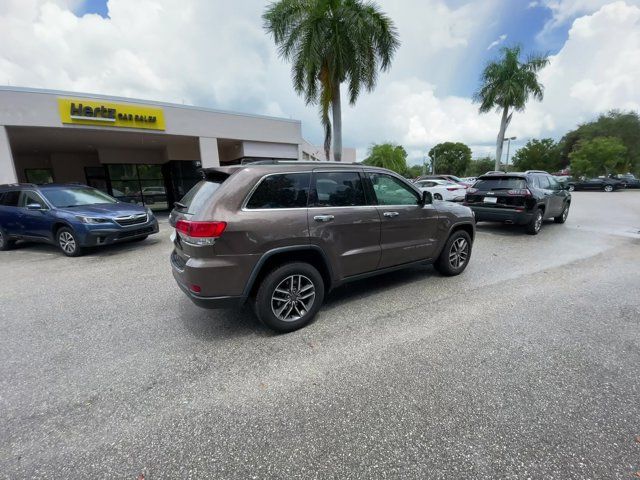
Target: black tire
437, 196
267, 301
67, 242
448, 263
572, 188
534, 226
608, 188
5, 243
563, 215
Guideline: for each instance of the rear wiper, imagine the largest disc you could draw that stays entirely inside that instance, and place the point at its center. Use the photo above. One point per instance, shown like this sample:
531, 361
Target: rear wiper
179, 205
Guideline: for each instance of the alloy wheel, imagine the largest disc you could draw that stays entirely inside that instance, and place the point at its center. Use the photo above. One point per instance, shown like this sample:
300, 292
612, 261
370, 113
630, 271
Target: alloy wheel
571, 188
608, 188
293, 298
67, 242
565, 213
538, 224
459, 253
1, 239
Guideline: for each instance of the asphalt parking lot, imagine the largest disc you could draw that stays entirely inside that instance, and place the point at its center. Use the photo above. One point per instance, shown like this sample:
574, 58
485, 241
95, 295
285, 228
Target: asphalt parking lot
526, 366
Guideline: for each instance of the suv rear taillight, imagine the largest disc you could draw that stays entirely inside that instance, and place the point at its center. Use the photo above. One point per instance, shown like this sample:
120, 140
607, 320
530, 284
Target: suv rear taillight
200, 233
520, 192
472, 190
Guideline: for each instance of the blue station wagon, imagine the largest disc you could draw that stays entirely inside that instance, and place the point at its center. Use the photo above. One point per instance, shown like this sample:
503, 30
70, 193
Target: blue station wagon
72, 217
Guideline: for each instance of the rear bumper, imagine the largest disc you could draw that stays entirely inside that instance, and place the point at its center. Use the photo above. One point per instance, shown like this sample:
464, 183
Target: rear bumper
97, 235
206, 302
505, 215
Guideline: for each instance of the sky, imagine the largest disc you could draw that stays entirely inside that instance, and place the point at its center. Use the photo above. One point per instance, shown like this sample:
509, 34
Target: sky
215, 53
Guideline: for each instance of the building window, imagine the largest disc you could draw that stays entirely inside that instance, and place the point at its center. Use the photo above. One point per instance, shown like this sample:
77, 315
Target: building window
39, 176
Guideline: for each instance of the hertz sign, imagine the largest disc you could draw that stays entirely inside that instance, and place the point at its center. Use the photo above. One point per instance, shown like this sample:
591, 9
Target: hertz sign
106, 114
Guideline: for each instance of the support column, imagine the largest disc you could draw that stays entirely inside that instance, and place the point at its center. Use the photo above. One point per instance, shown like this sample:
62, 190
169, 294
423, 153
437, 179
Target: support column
7, 167
209, 152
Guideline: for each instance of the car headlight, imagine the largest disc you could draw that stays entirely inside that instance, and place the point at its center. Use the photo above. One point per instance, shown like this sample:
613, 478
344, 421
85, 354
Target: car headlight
92, 220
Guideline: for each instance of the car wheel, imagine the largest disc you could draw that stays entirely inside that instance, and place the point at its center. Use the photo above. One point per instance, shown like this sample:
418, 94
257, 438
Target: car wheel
455, 255
563, 216
5, 243
608, 188
534, 226
437, 196
289, 297
68, 242
572, 188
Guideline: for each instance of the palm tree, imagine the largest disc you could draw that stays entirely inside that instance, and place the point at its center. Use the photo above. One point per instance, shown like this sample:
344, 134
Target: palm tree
330, 42
508, 84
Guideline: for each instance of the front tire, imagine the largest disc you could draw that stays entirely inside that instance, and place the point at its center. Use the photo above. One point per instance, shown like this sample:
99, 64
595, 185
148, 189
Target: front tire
534, 226
289, 296
437, 196
455, 255
608, 188
68, 242
572, 188
563, 216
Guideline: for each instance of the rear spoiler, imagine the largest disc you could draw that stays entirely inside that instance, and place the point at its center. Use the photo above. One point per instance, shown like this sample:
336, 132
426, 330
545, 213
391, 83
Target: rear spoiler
217, 174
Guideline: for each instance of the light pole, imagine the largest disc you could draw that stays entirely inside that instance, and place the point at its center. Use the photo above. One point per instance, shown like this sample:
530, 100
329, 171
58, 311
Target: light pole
508, 140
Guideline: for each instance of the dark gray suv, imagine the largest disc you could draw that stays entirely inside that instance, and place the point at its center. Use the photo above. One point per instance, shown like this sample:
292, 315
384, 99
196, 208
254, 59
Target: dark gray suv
282, 235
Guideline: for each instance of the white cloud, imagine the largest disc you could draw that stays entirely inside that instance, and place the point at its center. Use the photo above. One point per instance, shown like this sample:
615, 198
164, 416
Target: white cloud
564, 11
497, 42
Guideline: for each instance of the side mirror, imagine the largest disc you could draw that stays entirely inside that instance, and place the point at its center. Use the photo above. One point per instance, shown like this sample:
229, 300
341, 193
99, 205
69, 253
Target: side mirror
34, 206
427, 198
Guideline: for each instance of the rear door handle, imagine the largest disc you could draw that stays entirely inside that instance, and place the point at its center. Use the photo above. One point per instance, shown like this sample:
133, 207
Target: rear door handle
391, 214
323, 218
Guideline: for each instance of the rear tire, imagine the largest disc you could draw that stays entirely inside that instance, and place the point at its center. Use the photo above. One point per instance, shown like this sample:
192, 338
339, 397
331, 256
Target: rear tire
563, 216
67, 241
5, 243
572, 188
608, 188
455, 255
437, 196
534, 226
289, 297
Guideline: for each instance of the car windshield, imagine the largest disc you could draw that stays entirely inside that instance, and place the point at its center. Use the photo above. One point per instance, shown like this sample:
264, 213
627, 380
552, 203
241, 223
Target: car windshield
454, 179
501, 183
76, 197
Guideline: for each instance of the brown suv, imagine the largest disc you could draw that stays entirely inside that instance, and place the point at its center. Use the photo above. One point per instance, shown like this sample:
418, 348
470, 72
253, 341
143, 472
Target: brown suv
284, 234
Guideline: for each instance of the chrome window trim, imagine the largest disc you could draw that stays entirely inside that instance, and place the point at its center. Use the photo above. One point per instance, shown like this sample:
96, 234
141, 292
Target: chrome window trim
43, 202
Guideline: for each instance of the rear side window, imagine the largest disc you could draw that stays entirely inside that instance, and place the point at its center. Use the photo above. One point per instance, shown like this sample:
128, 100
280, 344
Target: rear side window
199, 194
337, 189
286, 190
10, 199
501, 183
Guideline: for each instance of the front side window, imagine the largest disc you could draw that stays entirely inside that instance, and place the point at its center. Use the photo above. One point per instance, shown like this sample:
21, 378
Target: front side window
10, 199
285, 190
29, 198
337, 189
77, 197
391, 191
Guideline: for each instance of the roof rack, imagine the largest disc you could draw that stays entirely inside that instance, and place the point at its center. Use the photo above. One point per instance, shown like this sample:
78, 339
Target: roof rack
18, 185
535, 171
295, 162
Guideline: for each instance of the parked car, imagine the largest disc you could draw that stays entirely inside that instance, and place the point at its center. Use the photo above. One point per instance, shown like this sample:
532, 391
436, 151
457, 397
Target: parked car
443, 189
70, 216
448, 178
281, 236
628, 179
469, 180
604, 184
520, 199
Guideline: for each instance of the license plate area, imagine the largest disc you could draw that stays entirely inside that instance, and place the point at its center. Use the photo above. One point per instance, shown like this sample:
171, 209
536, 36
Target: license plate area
490, 200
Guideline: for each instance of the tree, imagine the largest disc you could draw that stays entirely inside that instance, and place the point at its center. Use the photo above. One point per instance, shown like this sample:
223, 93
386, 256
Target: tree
330, 42
414, 171
479, 167
387, 155
538, 155
451, 158
507, 85
600, 156
624, 125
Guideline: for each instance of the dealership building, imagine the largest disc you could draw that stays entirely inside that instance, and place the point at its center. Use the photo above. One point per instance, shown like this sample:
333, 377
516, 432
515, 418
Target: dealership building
138, 151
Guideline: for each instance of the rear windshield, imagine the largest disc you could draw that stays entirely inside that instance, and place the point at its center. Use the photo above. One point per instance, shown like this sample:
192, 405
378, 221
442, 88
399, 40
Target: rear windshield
198, 196
500, 183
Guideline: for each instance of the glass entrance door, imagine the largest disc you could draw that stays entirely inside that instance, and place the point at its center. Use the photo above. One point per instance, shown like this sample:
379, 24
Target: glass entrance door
140, 184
